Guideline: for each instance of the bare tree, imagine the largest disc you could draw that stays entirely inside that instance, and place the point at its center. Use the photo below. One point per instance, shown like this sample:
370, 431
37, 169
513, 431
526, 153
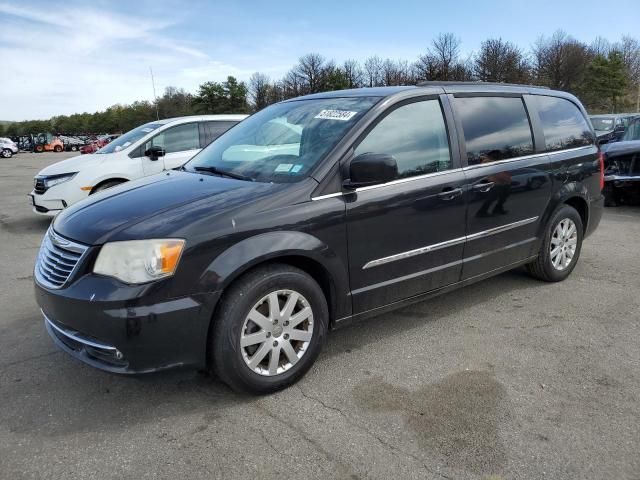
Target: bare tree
560, 61
446, 49
600, 46
500, 61
259, 85
353, 73
373, 71
442, 61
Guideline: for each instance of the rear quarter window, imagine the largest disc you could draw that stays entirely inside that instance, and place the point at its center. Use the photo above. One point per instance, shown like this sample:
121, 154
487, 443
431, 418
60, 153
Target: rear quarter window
563, 124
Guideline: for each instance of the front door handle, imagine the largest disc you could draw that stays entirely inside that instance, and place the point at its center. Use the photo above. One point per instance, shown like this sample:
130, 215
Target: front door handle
483, 187
450, 193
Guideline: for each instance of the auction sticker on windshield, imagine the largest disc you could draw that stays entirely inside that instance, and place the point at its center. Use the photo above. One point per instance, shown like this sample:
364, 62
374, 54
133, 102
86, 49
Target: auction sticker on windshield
342, 115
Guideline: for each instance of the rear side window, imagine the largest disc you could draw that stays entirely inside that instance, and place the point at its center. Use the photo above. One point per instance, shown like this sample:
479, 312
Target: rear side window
495, 128
209, 131
415, 135
563, 124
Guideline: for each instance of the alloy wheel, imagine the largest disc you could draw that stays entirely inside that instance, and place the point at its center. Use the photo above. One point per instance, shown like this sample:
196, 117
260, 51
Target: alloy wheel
276, 333
564, 242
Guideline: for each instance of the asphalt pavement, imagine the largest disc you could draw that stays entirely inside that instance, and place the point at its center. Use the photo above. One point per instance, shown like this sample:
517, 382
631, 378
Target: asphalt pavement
509, 378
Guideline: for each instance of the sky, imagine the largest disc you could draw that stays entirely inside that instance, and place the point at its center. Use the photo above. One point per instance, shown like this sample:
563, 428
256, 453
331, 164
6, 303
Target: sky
74, 56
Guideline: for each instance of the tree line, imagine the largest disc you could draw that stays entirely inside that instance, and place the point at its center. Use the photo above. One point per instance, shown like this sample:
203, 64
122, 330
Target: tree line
604, 75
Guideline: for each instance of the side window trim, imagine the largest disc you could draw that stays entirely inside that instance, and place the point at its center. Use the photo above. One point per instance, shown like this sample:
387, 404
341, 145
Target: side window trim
536, 124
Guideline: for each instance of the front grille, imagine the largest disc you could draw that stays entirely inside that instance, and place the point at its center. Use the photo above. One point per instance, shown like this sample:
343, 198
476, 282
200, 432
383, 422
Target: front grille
57, 259
39, 186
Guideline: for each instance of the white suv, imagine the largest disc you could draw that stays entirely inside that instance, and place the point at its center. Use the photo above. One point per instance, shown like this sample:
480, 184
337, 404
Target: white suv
7, 147
145, 150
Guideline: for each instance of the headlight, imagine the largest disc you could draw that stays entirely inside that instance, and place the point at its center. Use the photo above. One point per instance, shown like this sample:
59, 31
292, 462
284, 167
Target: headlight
57, 179
139, 261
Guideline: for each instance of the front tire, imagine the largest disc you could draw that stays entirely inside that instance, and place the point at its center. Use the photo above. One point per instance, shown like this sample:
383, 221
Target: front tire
6, 153
269, 329
560, 247
57, 149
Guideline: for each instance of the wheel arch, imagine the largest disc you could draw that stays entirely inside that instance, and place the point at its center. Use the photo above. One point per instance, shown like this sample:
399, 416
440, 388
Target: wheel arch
107, 180
572, 194
297, 249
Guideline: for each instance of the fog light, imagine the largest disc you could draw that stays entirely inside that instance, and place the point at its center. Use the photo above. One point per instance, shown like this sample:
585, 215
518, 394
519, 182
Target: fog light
119, 355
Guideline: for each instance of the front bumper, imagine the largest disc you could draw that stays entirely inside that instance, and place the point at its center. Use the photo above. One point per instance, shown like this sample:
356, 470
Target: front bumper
127, 329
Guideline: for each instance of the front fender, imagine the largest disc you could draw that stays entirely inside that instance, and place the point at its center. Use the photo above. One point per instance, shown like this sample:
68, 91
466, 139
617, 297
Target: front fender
252, 251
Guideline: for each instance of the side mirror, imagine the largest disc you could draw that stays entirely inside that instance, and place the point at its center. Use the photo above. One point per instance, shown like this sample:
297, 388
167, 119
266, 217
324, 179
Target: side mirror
154, 153
371, 169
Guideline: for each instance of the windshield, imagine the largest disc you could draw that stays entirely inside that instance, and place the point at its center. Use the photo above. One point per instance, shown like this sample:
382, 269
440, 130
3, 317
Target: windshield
633, 131
129, 138
283, 142
602, 124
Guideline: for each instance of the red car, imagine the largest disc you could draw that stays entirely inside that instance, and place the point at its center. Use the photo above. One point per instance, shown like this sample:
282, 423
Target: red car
97, 144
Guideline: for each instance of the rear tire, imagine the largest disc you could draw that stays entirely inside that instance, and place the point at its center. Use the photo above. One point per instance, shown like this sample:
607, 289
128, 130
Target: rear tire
277, 297
560, 247
39, 148
57, 149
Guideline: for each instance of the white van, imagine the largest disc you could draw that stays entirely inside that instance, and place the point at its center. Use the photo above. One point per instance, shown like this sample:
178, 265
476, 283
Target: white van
145, 150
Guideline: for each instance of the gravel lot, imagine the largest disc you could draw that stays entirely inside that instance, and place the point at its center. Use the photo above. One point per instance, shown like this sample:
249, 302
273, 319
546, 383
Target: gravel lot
509, 378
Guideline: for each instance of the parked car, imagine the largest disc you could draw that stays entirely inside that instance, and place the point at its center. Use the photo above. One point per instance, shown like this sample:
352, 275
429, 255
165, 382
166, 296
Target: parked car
610, 128
146, 150
622, 168
8, 148
382, 197
97, 144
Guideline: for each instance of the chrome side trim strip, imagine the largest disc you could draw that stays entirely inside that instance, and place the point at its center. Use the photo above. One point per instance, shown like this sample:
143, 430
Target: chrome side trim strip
448, 243
77, 337
329, 195
412, 253
532, 156
502, 228
408, 179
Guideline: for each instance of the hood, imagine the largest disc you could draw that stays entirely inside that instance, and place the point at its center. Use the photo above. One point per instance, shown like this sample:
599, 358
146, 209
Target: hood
150, 204
621, 148
73, 164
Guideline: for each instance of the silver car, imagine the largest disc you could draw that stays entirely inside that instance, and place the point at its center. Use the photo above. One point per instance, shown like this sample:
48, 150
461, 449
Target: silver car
7, 147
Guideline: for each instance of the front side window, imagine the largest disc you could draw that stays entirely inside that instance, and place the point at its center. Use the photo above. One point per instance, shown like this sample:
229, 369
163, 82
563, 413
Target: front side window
177, 139
563, 124
495, 128
415, 135
283, 142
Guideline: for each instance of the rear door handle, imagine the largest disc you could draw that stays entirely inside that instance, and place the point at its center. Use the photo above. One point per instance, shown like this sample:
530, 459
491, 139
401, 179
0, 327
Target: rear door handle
483, 187
450, 193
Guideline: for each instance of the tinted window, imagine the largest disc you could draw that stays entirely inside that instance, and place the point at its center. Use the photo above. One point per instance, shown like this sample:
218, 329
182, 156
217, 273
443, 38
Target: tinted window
563, 124
495, 128
177, 139
415, 135
209, 131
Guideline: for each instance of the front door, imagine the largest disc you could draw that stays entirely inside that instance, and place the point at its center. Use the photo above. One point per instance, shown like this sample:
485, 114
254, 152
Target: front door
406, 237
508, 183
180, 143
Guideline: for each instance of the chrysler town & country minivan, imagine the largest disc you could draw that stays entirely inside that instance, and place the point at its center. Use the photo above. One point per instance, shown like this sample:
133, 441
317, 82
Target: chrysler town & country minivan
316, 212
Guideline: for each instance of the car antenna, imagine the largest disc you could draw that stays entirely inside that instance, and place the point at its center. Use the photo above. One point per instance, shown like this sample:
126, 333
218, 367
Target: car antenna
155, 98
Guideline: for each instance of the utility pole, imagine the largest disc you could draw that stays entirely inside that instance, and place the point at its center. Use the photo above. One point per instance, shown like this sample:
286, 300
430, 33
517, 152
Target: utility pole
155, 98
638, 98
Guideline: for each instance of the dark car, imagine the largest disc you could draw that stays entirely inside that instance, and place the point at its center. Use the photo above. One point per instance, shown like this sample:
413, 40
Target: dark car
316, 212
622, 168
610, 128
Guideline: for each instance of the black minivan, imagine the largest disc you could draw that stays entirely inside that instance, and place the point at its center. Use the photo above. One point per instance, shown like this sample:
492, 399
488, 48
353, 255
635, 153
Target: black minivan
316, 212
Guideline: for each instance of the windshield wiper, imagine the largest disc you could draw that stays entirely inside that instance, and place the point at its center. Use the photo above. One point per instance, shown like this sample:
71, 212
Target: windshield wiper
223, 173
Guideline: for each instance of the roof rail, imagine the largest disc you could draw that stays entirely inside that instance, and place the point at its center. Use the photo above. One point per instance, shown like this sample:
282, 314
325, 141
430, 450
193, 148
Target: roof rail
428, 83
